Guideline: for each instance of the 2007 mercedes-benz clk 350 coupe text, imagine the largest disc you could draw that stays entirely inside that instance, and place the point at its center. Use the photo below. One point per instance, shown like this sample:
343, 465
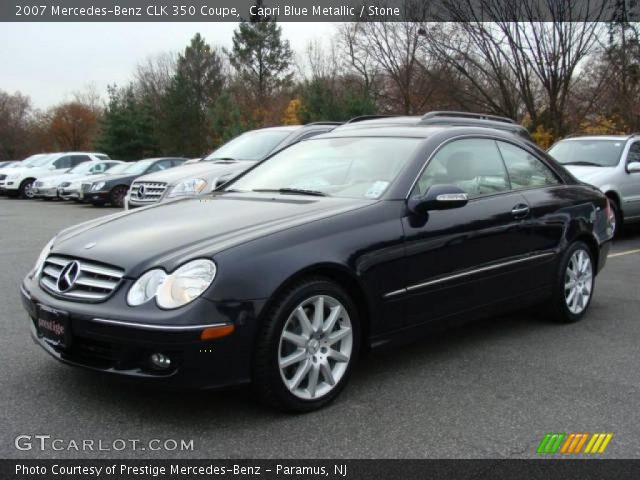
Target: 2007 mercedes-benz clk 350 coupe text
353, 239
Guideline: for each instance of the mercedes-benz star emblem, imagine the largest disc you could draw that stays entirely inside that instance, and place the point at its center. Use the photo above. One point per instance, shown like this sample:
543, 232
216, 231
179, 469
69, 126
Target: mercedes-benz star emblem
68, 276
141, 192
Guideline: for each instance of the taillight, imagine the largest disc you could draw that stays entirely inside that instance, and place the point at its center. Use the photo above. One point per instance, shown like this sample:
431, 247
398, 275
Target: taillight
611, 216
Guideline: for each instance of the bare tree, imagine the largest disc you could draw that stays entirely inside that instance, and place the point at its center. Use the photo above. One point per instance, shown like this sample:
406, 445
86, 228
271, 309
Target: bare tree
153, 76
395, 50
525, 66
15, 110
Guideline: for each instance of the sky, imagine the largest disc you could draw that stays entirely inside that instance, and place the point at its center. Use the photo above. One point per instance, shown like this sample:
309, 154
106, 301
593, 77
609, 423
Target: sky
50, 61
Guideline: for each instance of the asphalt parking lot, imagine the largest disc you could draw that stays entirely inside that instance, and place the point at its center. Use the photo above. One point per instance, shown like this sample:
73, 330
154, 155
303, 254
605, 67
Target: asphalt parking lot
487, 390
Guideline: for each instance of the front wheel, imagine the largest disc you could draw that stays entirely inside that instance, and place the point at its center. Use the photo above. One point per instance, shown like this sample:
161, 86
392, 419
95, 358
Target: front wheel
116, 197
26, 189
575, 284
307, 347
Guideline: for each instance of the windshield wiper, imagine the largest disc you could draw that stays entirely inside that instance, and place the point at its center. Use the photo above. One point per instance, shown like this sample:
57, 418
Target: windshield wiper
589, 164
300, 191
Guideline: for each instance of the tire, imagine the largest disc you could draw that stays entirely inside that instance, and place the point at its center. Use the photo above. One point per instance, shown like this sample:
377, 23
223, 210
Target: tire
565, 306
116, 197
308, 352
25, 190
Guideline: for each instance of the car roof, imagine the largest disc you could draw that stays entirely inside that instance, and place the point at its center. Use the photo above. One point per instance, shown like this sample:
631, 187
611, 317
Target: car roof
440, 118
597, 137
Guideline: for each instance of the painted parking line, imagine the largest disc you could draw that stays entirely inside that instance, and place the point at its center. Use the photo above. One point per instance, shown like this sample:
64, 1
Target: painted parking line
628, 252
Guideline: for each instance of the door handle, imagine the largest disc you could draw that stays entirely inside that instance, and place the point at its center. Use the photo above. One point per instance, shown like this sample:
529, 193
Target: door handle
520, 210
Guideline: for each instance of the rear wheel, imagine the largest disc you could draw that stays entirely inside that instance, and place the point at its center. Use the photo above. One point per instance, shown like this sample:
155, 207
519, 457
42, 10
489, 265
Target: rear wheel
574, 284
26, 189
116, 197
307, 346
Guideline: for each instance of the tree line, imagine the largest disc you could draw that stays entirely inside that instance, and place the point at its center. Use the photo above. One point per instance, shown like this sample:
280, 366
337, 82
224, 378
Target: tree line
555, 77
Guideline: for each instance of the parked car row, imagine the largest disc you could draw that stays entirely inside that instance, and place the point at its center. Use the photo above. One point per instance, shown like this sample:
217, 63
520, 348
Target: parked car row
317, 243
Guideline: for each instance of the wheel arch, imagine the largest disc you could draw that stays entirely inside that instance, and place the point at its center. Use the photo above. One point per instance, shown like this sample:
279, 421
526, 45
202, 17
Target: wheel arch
615, 196
342, 276
593, 245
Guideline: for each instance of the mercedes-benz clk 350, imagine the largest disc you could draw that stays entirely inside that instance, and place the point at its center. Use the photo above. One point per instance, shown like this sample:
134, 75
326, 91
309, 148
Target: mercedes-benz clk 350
352, 240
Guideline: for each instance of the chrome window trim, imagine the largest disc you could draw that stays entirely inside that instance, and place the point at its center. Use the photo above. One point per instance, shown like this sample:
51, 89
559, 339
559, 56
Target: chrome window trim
467, 273
148, 326
561, 183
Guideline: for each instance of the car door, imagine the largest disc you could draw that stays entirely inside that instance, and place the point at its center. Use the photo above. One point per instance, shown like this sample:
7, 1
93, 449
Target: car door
630, 184
464, 258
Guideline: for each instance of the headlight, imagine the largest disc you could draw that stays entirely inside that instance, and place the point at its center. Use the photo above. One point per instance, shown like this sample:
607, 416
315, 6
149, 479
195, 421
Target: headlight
176, 289
37, 269
97, 186
193, 186
145, 287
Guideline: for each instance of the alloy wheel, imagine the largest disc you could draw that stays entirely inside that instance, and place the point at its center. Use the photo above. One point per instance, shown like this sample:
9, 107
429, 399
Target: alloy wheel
578, 283
316, 345
28, 190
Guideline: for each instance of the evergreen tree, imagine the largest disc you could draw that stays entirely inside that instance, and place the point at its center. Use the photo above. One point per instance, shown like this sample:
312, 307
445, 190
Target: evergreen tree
127, 126
262, 58
193, 91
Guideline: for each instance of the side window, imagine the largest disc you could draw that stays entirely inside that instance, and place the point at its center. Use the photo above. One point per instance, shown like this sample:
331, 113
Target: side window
78, 159
63, 162
634, 153
177, 162
473, 165
525, 170
98, 168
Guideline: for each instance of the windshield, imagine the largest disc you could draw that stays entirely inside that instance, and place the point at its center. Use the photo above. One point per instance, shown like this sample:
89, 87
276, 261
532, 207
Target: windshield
135, 167
84, 167
596, 153
341, 167
33, 160
250, 146
119, 168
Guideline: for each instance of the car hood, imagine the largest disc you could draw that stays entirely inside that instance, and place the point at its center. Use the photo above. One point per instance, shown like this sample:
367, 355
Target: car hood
592, 175
168, 234
33, 171
207, 170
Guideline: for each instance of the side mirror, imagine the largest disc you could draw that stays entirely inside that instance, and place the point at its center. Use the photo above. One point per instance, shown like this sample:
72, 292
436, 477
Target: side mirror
633, 167
439, 197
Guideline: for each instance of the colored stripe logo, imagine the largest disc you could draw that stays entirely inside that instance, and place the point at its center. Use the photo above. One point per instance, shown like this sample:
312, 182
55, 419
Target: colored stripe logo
571, 443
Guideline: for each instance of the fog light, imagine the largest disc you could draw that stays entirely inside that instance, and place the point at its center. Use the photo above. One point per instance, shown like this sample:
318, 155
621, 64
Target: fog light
160, 361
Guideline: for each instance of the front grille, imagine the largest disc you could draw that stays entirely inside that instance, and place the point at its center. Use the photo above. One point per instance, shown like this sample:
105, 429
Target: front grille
86, 187
93, 282
151, 191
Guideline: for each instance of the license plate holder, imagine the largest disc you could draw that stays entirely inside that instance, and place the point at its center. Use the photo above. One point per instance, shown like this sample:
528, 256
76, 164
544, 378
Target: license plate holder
53, 326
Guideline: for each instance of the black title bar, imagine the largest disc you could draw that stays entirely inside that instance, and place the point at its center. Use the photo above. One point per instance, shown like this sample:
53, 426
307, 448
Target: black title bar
547, 469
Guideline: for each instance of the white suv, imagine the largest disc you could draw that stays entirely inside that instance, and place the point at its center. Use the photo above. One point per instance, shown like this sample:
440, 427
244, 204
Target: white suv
19, 182
609, 162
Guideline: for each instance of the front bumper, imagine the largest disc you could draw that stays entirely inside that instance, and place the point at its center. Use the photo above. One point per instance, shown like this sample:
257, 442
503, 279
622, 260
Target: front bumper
46, 192
122, 346
69, 193
101, 196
